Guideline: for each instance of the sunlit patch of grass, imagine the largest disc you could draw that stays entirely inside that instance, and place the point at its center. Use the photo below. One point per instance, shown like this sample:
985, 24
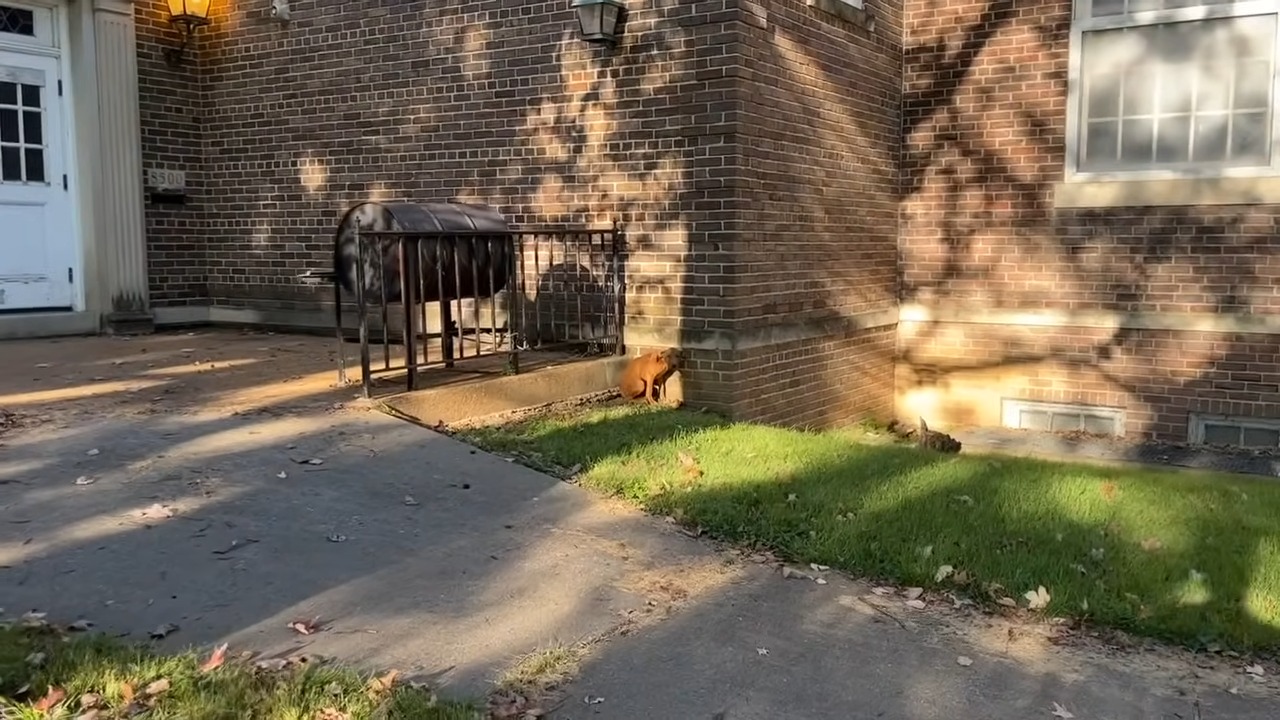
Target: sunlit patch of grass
1190, 557
96, 672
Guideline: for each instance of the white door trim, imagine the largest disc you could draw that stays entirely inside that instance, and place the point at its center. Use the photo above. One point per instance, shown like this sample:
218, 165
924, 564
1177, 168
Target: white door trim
54, 44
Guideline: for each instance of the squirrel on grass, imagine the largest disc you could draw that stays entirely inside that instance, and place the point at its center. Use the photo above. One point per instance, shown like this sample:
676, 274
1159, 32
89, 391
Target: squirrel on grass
645, 376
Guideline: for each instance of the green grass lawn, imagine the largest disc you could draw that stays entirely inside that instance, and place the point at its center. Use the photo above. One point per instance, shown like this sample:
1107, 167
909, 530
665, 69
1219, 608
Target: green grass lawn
96, 673
1188, 557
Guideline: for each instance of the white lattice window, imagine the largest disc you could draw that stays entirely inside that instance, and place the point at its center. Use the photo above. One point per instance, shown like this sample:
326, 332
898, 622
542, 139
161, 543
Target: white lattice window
1173, 88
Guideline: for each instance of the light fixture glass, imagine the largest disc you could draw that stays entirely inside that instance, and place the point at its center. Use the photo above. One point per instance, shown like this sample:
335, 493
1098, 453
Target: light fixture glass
189, 12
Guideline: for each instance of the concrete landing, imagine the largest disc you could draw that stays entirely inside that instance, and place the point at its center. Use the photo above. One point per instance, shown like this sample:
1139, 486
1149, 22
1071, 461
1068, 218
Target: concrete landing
477, 394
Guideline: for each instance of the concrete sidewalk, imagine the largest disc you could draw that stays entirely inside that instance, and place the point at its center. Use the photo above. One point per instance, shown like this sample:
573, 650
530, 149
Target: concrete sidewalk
231, 516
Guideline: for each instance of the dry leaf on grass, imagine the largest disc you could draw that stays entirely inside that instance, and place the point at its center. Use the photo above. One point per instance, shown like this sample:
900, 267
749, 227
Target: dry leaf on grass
383, 683
36, 659
1108, 490
916, 604
689, 464
1255, 670
158, 687
1061, 712
1037, 599
332, 714
1008, 602
944, 572
89, 701
81, 625
1152, 544
216, 658
51, 699
882, 591
913, 592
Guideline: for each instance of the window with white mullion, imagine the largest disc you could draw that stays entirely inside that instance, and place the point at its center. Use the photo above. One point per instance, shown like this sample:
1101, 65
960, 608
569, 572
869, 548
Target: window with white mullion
1175, 85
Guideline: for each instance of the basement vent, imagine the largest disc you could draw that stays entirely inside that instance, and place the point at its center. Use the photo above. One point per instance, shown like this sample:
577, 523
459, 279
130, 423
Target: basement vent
1054, 417
1247, 432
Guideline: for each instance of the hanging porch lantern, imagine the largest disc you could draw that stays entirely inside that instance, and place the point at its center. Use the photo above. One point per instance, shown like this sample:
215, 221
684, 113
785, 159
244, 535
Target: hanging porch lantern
598, 20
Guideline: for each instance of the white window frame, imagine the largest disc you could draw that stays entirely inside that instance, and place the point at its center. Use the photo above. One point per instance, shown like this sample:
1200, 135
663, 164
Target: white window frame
1011, 412
1081, 23
1197, 422
46, 31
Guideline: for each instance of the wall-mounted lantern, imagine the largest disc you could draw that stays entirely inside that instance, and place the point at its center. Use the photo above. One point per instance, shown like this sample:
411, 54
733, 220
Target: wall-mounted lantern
186, 16
598, 20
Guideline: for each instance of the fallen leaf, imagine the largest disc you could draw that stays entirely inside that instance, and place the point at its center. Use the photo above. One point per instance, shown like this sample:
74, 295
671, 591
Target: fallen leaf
592, 700
80, 625
156, 511
820, 581
163, 631
91, 714
1084, 605
408, 500
917, 604
1108, 490
336, 538
332, 714
913, 592
282, 475
272, 664
384, 683
51, 699
1197, 576
1037, 599
964, 661
944, 572
792, 497
686, 459
32, 618
965, 499
926, 551
126, 693
86, 480
883, 590
36, 659
961, 577
1061, 712
790, 572
306, 627
1097, 554
93, 452
1008, 602
762, 651
216, 658
42, 365
89, 701
819, 568
1255, 670
235, 545
1152, 544
158, 687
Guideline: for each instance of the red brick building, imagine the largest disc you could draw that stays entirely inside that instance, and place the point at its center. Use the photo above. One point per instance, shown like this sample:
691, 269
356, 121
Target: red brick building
840, 208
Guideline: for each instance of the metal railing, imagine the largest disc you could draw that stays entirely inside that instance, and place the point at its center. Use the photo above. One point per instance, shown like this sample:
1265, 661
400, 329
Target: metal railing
480, 294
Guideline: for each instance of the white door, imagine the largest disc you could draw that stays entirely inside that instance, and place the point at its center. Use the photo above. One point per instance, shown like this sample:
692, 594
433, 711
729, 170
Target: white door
37, 245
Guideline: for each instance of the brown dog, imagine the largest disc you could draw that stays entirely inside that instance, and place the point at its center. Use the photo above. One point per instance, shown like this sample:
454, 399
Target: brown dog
645, 375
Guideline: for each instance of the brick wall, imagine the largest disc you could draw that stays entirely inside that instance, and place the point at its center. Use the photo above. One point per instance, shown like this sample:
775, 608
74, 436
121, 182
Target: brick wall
748, 148
818, 218
172, 137
984, 143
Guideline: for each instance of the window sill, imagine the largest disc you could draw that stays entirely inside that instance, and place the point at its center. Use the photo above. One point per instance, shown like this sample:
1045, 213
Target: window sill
1168, 192
857, 16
